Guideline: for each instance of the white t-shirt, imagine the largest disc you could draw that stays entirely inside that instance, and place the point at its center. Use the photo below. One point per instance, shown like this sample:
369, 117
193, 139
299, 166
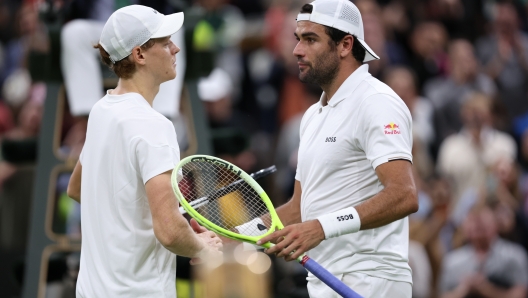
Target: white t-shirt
127, 143
364, 124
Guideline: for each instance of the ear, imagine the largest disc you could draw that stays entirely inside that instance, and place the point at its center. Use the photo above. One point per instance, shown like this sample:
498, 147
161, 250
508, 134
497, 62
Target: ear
138, 55
346, 46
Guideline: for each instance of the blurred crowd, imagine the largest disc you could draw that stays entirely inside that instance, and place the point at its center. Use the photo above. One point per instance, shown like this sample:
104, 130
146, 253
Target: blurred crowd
461, 66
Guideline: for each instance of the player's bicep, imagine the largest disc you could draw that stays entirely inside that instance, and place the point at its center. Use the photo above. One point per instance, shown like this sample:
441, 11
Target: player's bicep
396, 173
163, 206
398, 181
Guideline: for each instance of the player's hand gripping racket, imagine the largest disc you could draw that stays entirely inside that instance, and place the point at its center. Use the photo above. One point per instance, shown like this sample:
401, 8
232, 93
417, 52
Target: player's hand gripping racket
244, 214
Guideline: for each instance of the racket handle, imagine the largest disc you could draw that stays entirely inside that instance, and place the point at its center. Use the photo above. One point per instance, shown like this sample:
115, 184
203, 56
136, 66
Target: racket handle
328, 278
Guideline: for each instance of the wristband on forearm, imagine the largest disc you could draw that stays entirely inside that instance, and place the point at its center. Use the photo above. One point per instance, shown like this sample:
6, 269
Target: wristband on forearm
344, 221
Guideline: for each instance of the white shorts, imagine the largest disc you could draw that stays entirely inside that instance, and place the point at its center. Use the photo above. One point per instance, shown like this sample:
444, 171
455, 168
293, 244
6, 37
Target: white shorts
365, 285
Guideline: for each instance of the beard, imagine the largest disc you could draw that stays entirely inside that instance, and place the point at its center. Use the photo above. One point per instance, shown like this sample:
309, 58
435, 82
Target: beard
322, 71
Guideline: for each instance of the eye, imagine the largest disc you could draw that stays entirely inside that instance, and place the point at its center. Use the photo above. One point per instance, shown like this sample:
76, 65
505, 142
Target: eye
311, 40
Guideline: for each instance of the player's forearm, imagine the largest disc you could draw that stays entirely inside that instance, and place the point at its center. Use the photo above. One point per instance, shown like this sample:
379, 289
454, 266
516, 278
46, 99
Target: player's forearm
290, 213
175, 234
389, 205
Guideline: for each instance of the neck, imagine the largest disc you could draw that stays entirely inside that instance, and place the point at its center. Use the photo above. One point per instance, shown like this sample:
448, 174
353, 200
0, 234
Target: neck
144, 85
343, 73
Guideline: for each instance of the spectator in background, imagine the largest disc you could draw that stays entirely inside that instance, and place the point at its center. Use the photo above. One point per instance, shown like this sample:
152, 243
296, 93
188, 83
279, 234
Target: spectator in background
428, 58
504, 55
212, 35
487, 266
403, 81
448, 92
19, 142
230, 129
390, 53
29, 33
466, 158
288, 146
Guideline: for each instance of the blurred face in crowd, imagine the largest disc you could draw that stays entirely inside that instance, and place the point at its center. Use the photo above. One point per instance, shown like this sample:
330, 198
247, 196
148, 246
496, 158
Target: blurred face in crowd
428, 39
317, 59
372, 24
506, 20
28, 20
402, 82
287, 43
480, 228
462, 62
476, 111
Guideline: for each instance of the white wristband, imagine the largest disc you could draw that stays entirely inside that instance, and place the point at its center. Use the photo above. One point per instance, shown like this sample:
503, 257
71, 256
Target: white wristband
254, 227
344, 221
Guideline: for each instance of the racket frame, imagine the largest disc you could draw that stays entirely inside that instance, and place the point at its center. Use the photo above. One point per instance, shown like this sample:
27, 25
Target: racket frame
275, 224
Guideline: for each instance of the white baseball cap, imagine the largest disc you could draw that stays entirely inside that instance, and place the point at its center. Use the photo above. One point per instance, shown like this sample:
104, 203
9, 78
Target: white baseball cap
134, 25
342, 15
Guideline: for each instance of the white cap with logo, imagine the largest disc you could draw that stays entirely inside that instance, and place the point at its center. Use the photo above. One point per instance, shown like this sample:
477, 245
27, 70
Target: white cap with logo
134, 25
342, 15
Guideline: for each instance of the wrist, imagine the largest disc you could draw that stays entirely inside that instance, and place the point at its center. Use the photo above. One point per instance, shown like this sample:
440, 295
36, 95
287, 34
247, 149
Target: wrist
344, 221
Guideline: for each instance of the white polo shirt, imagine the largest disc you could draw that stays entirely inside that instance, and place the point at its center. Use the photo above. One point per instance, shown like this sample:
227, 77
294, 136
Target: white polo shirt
364, 125
127, 143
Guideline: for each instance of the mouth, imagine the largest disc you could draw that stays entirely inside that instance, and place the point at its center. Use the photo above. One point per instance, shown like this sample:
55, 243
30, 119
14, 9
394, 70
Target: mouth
302, 64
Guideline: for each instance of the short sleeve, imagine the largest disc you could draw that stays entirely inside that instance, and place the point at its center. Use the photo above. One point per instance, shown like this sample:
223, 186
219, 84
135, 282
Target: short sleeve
155, 152
385, 129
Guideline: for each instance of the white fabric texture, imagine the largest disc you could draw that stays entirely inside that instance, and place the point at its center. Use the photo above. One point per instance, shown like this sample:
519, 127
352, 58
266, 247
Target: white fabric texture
367, 286
340, 222
83, 76
127, 143
364, 124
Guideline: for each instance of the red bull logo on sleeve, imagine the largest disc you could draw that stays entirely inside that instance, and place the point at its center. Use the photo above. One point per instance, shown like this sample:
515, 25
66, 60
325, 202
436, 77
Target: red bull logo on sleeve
391, 129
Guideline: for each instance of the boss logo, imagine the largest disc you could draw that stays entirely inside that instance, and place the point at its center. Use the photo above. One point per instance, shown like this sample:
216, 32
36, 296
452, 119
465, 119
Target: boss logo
330, 140
345, 217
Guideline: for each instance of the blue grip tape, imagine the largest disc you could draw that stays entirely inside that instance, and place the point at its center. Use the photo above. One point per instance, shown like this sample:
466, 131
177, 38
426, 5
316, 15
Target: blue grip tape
328, 278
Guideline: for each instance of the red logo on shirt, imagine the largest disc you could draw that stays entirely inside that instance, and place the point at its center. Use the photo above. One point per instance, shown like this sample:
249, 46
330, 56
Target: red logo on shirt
391, 129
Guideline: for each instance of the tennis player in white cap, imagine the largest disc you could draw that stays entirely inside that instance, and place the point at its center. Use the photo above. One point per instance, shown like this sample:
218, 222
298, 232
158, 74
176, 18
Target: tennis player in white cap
131, 226
354, 186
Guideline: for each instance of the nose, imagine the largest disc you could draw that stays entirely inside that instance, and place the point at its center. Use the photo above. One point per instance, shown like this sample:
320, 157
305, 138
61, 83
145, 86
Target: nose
297, 51
174, 48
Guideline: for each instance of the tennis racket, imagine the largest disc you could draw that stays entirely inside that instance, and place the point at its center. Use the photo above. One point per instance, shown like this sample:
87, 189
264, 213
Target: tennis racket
245, 214
228, 189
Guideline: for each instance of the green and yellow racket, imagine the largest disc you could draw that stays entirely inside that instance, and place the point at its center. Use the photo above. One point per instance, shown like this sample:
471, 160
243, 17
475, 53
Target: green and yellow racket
245, 213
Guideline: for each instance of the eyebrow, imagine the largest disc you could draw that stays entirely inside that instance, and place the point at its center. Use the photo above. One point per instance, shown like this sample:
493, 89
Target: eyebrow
307, 34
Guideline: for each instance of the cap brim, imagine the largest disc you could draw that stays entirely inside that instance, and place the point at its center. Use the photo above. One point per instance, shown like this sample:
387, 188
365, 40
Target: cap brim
369, 53
171, 24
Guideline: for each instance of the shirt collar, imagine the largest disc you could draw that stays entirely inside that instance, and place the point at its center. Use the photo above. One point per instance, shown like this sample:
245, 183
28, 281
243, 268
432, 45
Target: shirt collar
348, 86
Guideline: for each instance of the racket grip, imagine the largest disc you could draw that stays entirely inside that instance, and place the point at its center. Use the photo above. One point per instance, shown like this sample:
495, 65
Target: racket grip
328, 278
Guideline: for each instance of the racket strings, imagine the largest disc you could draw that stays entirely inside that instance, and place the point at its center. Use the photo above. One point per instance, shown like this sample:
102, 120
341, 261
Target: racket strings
232, 201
